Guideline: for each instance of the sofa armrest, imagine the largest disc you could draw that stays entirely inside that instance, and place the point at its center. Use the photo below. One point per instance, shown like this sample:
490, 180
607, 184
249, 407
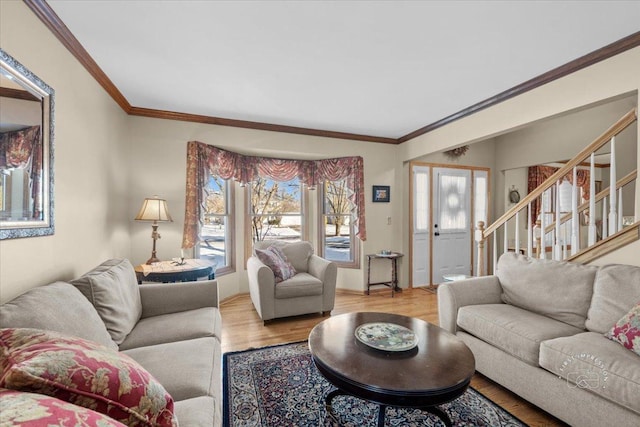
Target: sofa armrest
164, 298
262, 285
327, 272
453, 295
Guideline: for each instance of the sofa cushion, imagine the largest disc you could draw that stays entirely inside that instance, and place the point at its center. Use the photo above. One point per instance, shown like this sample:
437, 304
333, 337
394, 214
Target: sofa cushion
515, 331
20, 408
51, 303
112, 288
300, 285
615, 291
183, 325
627, 330
83, 373
589, 360
194, 369
560, 290
198, 411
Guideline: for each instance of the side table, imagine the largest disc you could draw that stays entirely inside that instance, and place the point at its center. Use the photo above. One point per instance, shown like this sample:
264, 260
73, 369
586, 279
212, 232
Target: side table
393, 284
172, 271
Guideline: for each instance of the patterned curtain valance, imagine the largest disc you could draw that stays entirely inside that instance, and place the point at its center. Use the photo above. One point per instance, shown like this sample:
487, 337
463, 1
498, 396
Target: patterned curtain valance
204, 160
539, 174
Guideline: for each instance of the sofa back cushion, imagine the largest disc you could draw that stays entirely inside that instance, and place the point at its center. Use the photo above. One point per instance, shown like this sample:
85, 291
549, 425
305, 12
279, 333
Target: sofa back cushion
556, 289
112, 288
58, 307
297, 253
615, 292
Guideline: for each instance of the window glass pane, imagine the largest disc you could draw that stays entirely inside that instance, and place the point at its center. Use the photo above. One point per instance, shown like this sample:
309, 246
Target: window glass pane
275, 209
421, 201
337, 225
453, 212
215, 236
480, 200
338, 238
216, 196
213, 241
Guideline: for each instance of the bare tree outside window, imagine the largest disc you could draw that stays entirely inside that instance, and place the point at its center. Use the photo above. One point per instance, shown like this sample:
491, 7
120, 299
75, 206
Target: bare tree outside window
337, 223
275, 209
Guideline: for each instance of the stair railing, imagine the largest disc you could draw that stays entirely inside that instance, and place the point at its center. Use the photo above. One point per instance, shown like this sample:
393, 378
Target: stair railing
610, 197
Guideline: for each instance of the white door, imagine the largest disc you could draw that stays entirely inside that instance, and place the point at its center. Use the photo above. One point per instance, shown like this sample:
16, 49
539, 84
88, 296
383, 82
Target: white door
421, 228
451, 231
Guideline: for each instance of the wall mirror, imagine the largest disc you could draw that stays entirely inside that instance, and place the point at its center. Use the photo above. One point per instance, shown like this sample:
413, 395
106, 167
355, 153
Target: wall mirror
26, 152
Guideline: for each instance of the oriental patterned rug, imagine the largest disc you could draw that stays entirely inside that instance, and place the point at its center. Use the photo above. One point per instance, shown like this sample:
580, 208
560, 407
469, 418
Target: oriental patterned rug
280, 386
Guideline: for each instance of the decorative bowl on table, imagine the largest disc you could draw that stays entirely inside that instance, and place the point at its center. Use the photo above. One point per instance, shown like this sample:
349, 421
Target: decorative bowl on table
386, 336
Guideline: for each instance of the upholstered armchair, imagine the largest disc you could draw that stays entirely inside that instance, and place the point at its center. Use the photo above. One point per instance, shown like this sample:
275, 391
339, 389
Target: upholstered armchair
309, 288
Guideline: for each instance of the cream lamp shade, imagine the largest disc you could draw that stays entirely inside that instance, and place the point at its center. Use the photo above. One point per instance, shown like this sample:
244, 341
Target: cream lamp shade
154, 209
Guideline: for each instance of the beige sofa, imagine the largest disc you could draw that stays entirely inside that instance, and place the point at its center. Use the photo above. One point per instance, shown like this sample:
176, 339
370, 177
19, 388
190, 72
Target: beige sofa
537, 327
172, 330
311, 290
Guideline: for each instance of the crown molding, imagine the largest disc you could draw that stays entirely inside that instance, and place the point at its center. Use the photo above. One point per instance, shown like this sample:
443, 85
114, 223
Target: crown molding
186, 117
61, 31
601, 54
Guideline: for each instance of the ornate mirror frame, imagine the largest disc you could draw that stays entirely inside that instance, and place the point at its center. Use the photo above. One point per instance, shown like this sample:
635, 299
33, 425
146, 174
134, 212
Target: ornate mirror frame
40, 222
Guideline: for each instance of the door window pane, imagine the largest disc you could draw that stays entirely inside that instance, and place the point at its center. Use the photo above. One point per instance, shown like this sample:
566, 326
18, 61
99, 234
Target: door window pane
453, 210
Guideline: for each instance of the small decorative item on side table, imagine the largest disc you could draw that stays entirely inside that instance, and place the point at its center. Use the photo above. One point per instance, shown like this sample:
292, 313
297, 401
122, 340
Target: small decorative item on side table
177, 270
393, 257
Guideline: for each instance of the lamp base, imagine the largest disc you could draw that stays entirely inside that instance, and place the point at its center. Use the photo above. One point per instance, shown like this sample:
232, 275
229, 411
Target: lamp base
152, 260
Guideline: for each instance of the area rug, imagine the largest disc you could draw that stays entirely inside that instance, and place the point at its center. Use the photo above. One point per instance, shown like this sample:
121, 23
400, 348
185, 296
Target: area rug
280, 386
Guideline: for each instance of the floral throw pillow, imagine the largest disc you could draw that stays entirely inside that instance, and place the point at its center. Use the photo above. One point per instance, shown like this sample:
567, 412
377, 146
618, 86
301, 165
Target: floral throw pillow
282, 269
85, 374
627, 330
288, 271
32, 409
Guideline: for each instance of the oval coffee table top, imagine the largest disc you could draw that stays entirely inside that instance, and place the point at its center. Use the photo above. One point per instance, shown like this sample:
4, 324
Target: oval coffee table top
436, 371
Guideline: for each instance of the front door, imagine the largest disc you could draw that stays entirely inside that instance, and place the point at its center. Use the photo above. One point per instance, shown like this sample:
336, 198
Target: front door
451, 248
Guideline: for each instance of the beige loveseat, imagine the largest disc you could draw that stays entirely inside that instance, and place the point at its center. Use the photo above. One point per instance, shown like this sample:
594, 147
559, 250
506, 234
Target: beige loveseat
172, 330
537, 327
311, 290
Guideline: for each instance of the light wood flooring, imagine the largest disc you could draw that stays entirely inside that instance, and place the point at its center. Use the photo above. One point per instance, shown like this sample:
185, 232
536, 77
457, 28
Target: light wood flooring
243, 329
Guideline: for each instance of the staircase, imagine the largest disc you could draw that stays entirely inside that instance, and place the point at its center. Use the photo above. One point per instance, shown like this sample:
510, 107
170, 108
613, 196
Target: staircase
580, 233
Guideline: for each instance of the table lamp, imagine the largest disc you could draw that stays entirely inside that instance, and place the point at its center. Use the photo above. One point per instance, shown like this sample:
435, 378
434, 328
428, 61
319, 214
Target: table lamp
154, 209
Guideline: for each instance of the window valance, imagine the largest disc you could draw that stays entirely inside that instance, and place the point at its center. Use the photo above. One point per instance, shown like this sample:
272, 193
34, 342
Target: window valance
204, 160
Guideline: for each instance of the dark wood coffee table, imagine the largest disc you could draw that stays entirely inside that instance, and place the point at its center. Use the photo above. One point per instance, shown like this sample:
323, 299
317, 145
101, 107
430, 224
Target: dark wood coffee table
437, 371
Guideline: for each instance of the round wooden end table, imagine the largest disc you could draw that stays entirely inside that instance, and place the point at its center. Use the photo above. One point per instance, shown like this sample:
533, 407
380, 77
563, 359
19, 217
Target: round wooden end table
436, 371
174, 271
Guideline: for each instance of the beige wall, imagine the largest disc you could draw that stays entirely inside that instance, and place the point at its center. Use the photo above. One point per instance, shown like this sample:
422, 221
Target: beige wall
158, 165
91, 178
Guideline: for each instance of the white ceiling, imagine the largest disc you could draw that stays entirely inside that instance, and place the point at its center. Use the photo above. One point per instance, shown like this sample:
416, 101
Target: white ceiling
381, 68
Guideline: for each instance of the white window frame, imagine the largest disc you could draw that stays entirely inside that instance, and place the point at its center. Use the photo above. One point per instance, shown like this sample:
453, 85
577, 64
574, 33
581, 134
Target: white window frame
354, 244
229, 224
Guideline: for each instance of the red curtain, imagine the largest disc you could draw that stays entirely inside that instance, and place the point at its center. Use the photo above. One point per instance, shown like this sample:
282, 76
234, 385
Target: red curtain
22, 149
204, 160
539, 174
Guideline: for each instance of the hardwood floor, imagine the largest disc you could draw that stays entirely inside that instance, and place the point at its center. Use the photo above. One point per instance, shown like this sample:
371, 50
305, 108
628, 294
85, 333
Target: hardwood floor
242, 329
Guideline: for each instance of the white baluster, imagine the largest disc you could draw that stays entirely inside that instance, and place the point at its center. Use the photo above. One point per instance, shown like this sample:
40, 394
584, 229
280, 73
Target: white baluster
575, 241
613, 215
529, 233
557, 251
505, 247
517, 242
543, 225
619, 208
605, 226
495, 251
592, 202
